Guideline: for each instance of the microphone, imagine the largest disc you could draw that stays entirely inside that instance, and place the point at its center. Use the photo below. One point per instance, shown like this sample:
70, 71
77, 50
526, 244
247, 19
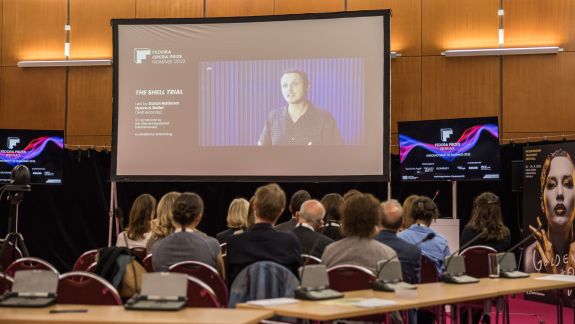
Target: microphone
428, 237
466, 245
436, 194
509, 265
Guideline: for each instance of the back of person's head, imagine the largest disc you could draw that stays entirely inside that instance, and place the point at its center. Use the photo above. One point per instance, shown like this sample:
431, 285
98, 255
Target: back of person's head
141, 214
361, 213
486, 213
297, 199
350, 193
392, 215
164, 225
187, 208
238, 213
312, 213
332, 203
251, 216
424, 209
408, 210
269, 203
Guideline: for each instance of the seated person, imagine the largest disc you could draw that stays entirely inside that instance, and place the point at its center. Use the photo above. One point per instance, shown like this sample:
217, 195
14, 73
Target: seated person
310, 220
237, 219
262, 242
359, 222
332, 203
186, 244
139, 230
409, 254
296, 200
487, 214
163, 224
424, 211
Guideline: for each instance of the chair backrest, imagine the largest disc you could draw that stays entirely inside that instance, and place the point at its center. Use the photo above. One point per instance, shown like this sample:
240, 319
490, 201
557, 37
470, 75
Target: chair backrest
85, 288
348, 277
206, 274
85, 260
140, 252
147, 262
200, 294
477, 260
11, 254
5, 283
223, 248
309, 259
92, 267
29, 264
428, 270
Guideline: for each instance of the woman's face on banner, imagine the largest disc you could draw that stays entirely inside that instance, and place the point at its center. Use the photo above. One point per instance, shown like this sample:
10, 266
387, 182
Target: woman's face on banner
559, 196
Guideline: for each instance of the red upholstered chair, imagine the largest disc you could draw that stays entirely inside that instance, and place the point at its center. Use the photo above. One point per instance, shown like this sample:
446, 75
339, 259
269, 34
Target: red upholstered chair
223, 247
309, 259
477, 260
348, 277
85, 260
140, 252
207, 275
5, 283
148, 263
92, 267
429, 274
11, 254
85, 288
200, 294
29, 264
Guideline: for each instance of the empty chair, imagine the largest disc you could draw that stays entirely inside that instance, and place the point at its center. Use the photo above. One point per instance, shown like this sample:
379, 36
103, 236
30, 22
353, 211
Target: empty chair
147, 262
5, 283
205, 273
477, 260
140, 252
309, 259
348, 277
11, 254
200, 294
85, 260
85, 288
29, 264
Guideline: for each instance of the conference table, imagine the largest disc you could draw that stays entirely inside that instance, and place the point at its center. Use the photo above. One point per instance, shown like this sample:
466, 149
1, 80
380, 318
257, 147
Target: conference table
117, 314
429, 294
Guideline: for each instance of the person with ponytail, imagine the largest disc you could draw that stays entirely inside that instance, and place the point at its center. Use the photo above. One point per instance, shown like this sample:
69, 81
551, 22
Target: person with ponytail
487, 214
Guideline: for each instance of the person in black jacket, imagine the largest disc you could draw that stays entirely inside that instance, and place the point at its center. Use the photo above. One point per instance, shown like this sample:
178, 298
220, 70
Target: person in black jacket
296, 200
487, 214
237, 219
332, 203
311, 218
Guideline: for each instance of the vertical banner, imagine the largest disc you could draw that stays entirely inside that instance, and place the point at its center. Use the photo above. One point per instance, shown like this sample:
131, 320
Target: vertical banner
548, 210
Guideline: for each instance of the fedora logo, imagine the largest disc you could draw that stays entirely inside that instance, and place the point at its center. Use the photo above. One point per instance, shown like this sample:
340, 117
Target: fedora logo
12, 142
446, 134
140, 54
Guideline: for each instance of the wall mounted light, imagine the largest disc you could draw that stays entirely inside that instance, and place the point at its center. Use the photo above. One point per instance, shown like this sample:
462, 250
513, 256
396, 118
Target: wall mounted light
502, 51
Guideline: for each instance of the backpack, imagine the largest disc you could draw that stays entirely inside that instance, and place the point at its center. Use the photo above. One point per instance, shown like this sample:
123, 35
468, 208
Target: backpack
120, 267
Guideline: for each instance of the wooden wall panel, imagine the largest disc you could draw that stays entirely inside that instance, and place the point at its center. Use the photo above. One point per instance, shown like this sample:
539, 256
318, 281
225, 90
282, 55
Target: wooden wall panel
91, 34
231, 8
536, 137
90, 101
539, 93
458, 24
32, 98
88, 141
283, 7
405, 22
175, 9
405, 90
460, 87
33, 29
539, 23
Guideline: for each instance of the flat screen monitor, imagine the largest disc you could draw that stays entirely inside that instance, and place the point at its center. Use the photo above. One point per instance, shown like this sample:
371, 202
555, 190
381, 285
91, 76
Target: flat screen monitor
294, 97
40, 150
450, 149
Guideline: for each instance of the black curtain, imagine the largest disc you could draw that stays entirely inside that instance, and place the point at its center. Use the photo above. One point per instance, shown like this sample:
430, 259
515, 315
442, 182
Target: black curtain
61, 222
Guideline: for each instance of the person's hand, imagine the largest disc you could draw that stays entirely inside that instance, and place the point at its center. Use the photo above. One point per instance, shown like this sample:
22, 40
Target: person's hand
544, 247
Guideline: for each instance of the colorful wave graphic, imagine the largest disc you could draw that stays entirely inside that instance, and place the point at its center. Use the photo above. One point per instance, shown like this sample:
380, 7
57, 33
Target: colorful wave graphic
466, 142
34, 148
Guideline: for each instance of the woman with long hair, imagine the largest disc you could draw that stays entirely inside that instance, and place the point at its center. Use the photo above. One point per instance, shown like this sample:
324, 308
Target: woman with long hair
486, 214
163, 224
138, 231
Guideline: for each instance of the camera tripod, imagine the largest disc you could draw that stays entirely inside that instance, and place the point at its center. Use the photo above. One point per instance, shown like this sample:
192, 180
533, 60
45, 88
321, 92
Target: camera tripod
13, 240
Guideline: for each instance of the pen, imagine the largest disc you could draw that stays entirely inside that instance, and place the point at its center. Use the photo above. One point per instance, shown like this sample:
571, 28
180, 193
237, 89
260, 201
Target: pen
61, 311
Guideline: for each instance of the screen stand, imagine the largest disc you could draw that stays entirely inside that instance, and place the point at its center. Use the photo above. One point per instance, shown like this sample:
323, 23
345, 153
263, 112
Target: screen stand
111, 213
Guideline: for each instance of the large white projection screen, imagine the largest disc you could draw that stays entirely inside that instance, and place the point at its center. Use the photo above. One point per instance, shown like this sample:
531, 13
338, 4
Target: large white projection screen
302, 97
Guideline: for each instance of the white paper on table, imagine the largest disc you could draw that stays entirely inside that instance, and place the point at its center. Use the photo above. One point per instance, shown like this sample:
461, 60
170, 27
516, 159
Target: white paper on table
558, 277
375, 302
273, 301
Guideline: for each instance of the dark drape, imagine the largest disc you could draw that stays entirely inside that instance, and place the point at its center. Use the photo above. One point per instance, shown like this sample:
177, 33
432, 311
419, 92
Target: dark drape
60, 222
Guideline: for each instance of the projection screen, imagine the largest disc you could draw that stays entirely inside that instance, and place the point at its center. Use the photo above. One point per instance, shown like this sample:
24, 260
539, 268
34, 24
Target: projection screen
274, 98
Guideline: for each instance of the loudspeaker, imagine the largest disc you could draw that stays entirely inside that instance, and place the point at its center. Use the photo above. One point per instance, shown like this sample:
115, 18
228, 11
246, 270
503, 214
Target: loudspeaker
517, 176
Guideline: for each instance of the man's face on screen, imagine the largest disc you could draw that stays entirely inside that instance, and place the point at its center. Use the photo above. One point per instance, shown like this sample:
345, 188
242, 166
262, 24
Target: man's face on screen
294, 88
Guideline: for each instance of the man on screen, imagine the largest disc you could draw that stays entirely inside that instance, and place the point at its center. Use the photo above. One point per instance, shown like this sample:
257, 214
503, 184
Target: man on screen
299, 122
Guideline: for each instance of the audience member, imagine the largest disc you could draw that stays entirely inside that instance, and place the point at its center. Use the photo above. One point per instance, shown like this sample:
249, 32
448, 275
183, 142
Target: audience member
237, 219
487, 214
436, 249
349, 193
186, 244
138, 231
408, 211
409, 254
262, 242
310, 220
163, 224
297, 199
360, 220
332, 203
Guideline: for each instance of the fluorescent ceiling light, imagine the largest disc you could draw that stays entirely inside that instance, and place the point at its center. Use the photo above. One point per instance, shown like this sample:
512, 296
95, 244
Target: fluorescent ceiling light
502, 51
55, 63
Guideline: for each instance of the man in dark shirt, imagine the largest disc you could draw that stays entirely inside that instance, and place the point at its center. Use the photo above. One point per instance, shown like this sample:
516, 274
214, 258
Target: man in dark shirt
409, 254
296, 200
310, 220
262, 242
300, 122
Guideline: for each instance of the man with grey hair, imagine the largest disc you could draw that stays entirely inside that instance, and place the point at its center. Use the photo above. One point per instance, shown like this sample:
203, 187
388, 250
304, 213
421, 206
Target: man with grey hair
409, 254
311, 216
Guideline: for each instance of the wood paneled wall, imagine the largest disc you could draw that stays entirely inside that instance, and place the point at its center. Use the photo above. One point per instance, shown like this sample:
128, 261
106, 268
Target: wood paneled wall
532, 95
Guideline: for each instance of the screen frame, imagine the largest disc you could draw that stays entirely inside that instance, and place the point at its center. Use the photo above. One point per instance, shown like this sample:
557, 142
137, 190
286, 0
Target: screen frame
384, 177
